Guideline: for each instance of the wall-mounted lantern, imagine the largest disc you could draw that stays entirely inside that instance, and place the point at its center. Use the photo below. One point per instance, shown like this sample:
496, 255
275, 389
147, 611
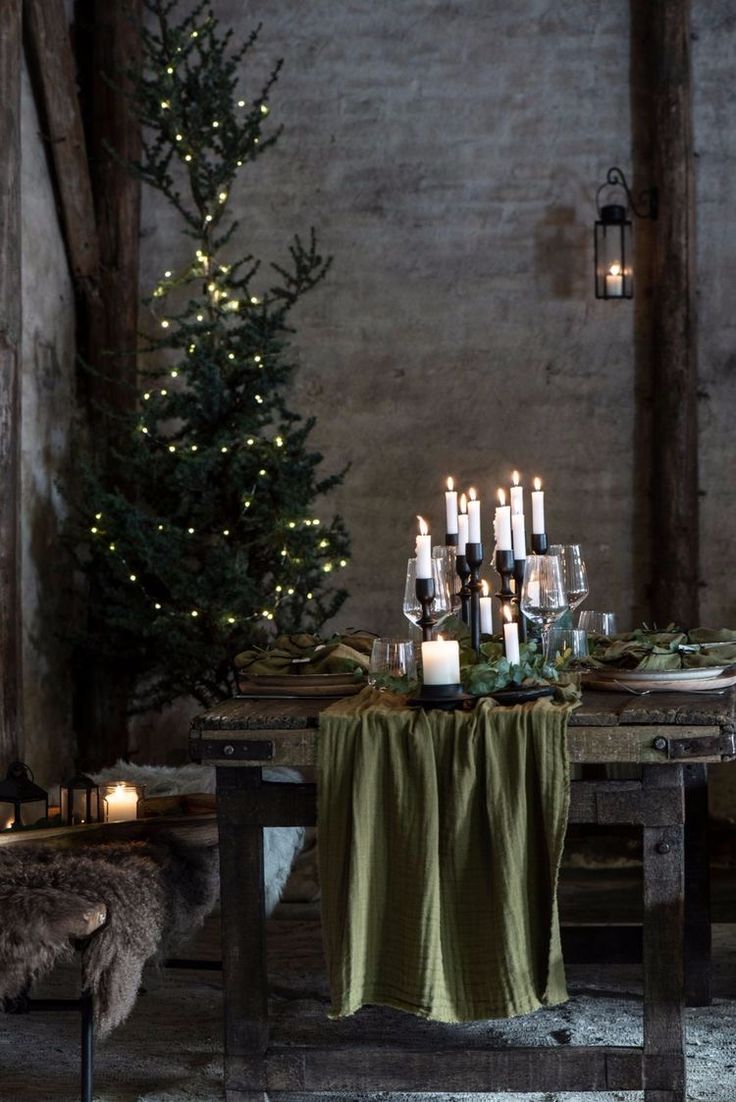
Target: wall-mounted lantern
614, 256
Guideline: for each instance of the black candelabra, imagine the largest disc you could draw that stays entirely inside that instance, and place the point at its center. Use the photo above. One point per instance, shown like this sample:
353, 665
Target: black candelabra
463, 572
519, 565
539, 543
425, 595
474, 557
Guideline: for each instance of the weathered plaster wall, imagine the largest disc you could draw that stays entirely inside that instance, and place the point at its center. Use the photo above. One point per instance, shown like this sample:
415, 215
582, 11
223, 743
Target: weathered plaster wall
449, 154
47, 397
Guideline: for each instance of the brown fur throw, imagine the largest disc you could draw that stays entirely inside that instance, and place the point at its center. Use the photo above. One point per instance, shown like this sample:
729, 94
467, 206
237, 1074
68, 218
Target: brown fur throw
155, 896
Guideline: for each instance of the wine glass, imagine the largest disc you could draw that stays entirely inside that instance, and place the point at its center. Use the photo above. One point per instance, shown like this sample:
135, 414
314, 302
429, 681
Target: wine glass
442, 603
543, 593
574, 574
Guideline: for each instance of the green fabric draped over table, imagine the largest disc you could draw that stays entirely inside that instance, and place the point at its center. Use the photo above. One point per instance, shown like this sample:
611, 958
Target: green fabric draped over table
440, 840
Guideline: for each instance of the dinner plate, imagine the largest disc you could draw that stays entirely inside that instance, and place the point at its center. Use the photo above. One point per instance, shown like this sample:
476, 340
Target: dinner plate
699, 673
639, 687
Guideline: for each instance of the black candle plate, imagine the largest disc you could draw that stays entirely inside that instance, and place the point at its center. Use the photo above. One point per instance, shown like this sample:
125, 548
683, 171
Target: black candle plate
446, 697
521, 696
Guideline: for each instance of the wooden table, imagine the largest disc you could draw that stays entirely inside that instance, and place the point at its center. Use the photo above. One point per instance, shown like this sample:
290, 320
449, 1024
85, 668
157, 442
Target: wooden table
673, 737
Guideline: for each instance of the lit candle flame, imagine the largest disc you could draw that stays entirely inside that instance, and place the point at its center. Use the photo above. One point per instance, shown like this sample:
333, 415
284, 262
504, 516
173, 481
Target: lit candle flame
450, 485
615, 270
486, 589
463, 503
471, 493
423, 526
515, 478
440, 639
501, 497
537, 484
508, 615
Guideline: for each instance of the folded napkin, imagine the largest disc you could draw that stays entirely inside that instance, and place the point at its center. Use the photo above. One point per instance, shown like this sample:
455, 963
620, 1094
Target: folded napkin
441, 836
304, 653
661, 650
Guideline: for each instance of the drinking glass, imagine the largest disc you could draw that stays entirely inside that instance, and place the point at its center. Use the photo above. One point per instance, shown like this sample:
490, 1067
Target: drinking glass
572, 639
447, 556
598, 623
442, 603
394, 657
543, 594
574, 574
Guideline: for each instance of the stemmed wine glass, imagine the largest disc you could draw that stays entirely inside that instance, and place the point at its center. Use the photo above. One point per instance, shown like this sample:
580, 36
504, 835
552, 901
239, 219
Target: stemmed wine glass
543, 593
574, 574
442, 603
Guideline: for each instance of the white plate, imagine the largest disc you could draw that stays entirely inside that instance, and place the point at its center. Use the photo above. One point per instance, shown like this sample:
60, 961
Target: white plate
705, 686
703, 673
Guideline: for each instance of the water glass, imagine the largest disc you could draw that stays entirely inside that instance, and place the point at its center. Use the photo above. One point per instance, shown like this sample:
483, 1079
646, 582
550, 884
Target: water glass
598, 623
574, 574
568, 639
447, 557
392, 658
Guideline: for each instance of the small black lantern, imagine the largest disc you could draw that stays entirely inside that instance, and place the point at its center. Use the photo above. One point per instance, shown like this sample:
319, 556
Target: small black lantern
614, 272
80, 801
22, 802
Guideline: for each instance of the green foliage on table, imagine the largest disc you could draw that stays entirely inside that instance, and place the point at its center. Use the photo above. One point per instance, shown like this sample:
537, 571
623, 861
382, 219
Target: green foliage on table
492, 671
205, 538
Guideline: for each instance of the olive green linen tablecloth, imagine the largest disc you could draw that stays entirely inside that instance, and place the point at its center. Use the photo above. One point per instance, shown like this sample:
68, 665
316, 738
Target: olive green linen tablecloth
440, 840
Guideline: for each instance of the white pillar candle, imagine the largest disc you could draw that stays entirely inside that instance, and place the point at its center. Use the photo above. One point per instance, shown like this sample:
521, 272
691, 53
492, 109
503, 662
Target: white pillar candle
486, 611
511, 638
614, 282
473, 517
503, 524
441, 662
424, 550
517, 496
121, 804
538, 508
518, 526
451, 508
462, 532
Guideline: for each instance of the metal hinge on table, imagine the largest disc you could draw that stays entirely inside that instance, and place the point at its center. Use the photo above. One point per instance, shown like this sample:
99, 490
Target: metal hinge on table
679, 749
235, 750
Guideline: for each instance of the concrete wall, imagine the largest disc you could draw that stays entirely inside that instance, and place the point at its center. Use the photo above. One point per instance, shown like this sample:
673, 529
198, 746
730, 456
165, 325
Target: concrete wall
47, 397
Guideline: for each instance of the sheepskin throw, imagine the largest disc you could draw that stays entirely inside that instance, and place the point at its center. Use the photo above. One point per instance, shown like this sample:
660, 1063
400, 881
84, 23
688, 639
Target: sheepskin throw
155, 896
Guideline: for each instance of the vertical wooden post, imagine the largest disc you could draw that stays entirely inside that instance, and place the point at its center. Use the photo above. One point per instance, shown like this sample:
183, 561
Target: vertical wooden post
11, 669
108, 44
674, 485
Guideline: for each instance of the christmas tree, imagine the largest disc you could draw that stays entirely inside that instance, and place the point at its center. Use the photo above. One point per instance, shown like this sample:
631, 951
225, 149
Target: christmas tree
201, 537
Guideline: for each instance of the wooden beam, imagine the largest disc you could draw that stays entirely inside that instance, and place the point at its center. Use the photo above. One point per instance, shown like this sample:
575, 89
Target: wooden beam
11, 673
674, 483
53, 70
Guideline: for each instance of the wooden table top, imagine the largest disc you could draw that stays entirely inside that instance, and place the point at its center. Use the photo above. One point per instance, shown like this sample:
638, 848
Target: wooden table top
607, 727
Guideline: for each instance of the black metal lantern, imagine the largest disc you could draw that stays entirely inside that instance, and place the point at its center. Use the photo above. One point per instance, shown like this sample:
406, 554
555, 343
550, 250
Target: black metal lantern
80, 801
613, 241
22, 802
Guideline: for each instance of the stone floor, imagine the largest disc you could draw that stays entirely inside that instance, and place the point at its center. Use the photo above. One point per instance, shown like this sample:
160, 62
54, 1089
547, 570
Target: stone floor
170, 1050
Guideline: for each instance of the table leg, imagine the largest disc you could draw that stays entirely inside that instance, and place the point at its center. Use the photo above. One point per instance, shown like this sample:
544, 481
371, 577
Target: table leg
242, 895
664, 884
698, 978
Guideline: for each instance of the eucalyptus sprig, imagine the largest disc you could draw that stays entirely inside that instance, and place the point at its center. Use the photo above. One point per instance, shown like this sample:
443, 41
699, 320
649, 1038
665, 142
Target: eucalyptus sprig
493, 671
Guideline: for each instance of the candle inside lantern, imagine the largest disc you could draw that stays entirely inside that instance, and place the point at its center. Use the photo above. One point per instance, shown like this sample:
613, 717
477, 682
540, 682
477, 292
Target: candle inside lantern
486, 611
473, 517
451, 508
503, 524
518, 525
462, 525
121, 803
424, 550
511, 638
517, 495
441, 662
614, 282
538, 508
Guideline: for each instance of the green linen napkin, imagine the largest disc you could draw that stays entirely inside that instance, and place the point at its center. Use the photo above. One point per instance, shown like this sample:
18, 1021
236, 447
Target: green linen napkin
308, 654
441, 836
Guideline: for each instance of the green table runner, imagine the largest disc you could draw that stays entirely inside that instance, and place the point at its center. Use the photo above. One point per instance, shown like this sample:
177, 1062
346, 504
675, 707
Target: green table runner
440, 840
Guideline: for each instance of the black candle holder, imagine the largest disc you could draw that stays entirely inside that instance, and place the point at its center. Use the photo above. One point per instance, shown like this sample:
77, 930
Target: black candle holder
446, 697
539, 543
505, 567
450, 539
519, 565
474, 555
463, 572
425, 595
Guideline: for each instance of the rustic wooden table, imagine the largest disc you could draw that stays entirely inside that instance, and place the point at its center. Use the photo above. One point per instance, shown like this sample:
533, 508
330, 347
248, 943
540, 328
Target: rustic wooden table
673, 737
